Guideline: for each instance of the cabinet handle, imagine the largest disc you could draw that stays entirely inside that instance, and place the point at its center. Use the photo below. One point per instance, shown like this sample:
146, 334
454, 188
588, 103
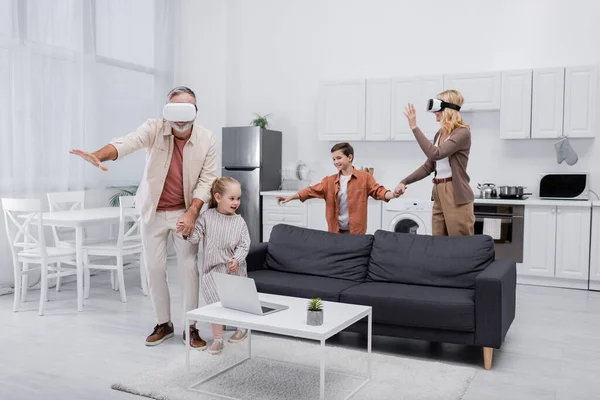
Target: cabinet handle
558, 211
553, 210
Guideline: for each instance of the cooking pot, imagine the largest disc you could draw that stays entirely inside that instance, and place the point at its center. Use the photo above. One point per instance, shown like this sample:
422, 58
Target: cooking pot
487, 190
513, 192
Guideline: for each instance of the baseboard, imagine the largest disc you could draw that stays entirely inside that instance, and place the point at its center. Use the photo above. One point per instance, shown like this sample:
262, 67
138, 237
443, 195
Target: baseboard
552, 282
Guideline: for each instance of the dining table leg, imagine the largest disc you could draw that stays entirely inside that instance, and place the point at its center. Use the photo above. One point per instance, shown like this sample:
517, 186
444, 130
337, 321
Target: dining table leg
79, 261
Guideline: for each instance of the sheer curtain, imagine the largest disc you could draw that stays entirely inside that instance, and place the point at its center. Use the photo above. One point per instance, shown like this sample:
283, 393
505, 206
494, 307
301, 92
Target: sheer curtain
74, 74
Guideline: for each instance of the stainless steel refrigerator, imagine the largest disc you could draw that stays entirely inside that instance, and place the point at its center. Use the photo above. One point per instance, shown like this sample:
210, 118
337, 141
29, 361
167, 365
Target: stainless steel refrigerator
252, 156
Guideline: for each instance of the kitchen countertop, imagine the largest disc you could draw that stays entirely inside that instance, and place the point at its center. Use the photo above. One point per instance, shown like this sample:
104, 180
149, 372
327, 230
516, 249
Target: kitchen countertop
534, 201
278, 193
275, 193
530, 201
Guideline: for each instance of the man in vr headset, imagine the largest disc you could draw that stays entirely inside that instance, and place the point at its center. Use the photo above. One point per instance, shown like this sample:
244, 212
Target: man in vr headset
180, 168
447, 158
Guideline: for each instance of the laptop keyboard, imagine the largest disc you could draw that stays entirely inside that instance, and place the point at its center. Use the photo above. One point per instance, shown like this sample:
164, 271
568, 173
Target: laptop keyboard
266, 309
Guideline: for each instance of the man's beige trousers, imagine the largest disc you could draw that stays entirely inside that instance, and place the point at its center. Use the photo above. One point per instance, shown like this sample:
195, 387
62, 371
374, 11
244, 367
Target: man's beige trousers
154, 238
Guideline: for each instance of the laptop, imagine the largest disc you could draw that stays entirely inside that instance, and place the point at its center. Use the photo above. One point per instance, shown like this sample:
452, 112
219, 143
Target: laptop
239, 293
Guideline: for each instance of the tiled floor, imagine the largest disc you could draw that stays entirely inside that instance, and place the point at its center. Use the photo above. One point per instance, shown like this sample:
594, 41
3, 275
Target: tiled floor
552, 350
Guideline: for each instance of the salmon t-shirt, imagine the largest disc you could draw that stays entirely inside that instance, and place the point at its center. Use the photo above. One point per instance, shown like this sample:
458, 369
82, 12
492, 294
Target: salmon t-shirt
171, 198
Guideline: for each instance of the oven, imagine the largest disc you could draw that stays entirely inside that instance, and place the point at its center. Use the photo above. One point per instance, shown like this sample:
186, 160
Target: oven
505, 224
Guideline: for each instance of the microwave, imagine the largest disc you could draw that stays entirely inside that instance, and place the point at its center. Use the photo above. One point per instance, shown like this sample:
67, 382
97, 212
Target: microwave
570, 186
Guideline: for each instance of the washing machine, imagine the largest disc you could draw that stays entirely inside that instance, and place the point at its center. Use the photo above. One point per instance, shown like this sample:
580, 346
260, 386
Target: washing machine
407, 216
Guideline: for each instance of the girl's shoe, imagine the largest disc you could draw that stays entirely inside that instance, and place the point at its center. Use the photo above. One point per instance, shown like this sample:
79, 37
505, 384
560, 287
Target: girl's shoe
238, 336
216, 347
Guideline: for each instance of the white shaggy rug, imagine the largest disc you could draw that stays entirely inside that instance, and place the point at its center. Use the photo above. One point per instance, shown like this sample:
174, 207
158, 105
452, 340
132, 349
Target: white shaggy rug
393, 377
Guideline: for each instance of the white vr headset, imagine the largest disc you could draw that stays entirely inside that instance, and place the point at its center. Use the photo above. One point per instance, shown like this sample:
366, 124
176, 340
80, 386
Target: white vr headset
435, 105
179, 112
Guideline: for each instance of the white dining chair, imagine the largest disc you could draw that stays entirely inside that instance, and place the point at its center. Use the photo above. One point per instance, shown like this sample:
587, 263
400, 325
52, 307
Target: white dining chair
25, 232
64, 201
129, 242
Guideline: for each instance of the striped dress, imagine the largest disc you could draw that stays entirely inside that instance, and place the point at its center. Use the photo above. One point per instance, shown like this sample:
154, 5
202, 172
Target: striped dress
224, 237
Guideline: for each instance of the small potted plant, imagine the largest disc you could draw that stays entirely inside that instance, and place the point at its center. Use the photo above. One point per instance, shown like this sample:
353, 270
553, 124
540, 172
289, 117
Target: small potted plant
314, 314
261, 120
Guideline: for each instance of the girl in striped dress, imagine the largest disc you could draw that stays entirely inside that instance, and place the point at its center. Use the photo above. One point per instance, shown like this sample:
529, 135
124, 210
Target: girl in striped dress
226, 243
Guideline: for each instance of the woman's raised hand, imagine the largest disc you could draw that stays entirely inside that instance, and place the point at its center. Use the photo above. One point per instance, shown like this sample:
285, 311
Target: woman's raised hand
411, 115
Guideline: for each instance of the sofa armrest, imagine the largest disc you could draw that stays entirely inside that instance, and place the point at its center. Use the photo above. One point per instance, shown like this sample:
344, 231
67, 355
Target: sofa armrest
495, 301
256, 256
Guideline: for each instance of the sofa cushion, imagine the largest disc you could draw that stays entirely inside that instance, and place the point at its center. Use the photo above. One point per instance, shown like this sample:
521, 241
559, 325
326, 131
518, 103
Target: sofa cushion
416, 306
308, 251
297, 285
446, 261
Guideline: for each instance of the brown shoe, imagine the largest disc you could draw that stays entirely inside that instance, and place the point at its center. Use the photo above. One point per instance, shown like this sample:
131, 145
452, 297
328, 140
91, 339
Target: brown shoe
160, 333
196, 341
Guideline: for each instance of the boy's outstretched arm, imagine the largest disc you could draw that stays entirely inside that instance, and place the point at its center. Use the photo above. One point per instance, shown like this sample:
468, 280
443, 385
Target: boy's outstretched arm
311, 192
377, 191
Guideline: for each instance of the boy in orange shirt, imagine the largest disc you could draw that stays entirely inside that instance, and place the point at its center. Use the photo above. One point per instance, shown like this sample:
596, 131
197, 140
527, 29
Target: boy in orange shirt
346, 193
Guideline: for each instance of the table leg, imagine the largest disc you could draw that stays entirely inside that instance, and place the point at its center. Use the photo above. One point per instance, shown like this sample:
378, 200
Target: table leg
79, 261
322, 372
249, 343
369, 336
187, 351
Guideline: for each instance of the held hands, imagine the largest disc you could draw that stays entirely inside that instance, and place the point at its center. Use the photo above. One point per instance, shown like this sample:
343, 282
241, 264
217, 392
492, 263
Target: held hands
186, 222
411, 115
400, 189
89, 157
233, 265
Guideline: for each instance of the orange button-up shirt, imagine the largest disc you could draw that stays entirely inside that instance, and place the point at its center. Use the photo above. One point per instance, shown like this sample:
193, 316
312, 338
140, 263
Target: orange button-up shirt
360, 186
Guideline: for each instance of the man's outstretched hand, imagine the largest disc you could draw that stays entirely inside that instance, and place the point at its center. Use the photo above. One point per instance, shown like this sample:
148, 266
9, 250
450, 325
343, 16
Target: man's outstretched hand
89, 157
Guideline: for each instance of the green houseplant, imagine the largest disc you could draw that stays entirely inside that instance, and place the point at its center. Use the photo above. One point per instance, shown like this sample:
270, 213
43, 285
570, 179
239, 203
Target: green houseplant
122, 191
261, 120
314, 314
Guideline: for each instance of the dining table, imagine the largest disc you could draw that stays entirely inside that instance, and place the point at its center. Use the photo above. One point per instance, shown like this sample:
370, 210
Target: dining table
79, 219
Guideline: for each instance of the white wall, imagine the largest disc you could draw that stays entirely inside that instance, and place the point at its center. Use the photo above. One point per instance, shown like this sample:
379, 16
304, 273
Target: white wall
276, 52
203, 65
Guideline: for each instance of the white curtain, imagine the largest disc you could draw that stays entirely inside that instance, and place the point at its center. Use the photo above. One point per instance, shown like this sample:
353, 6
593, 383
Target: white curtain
74, 74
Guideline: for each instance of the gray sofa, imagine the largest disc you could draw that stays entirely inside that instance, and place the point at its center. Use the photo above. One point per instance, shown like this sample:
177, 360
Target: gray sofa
440, 289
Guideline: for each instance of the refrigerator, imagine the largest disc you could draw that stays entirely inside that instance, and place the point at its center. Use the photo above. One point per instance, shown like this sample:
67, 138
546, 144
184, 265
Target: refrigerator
252, 155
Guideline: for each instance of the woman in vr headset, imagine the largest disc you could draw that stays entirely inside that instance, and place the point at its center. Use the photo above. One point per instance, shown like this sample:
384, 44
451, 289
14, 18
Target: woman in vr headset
447, 158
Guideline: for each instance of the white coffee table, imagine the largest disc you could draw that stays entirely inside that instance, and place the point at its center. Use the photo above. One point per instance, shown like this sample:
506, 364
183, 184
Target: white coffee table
290, 322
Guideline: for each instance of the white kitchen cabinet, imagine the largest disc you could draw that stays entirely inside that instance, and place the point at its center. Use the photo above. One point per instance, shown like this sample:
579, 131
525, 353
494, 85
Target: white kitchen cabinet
581, 84
515, 104
556, 245
416, 91
292, 213
316, 214
378, 109
547, 103
342, 110
595, 250
539, 241
573, 242
374, 215
481, 91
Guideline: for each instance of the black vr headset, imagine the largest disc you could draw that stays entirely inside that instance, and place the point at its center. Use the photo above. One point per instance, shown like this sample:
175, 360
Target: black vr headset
435, 105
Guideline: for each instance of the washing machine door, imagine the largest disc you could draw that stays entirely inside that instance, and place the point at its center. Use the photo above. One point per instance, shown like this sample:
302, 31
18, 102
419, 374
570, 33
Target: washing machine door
408, 223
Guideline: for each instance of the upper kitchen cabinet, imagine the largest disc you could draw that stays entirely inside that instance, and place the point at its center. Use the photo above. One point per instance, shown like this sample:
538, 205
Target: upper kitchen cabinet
515, 105
342, 110
481, 91
547, 103
581, 85
378, 109
416, 91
